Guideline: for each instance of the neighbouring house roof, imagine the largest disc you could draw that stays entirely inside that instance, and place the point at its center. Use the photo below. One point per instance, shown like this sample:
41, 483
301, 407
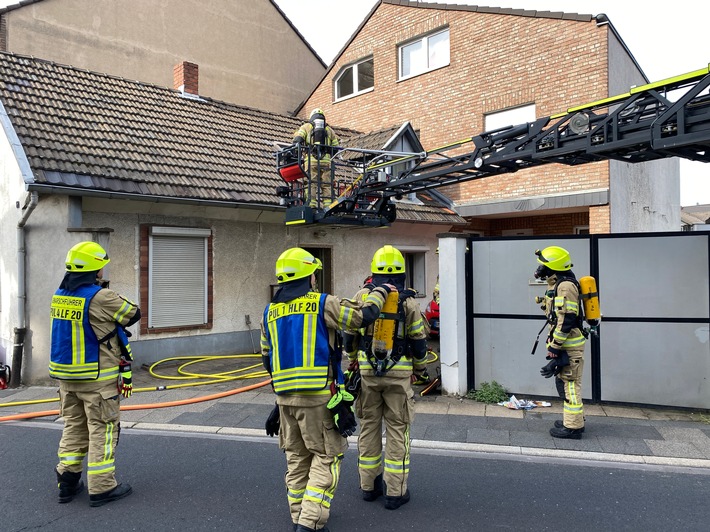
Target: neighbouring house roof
21, 3
427, 206
695, 214
383, 139
86, 133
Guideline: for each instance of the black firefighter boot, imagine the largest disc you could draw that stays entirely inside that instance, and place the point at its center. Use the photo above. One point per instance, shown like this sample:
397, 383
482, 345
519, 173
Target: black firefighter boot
560, 425
372, 495
564, 432
392, 503
304, 528
69, 484
119, 492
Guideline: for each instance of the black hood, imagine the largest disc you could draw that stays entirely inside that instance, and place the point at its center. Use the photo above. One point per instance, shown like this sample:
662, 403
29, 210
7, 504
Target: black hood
73, 280
569, 274
292, 290
397, 279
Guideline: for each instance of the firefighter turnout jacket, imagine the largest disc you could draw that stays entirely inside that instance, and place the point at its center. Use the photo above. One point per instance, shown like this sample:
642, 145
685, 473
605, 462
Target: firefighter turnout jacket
561, 307
409, 349
317, 158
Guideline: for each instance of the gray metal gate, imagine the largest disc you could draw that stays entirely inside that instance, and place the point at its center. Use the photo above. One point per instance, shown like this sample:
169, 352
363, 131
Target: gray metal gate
653, 347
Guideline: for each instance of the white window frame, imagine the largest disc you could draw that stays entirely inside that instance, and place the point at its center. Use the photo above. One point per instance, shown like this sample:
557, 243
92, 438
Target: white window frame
427, 61
354, 67
178, 277
513, 116
581, 229
415, 267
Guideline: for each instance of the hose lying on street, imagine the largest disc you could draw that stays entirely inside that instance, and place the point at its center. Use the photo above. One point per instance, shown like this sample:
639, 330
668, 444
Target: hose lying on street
248, 372
30, 415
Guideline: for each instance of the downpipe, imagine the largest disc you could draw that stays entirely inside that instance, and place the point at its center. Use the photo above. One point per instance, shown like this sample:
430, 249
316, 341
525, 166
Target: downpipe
20, 331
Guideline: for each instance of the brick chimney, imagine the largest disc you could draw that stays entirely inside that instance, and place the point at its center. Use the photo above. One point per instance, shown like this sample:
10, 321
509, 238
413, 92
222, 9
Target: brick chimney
185, 78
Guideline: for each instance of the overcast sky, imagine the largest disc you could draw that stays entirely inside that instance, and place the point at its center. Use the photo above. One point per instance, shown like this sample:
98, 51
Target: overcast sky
667, 38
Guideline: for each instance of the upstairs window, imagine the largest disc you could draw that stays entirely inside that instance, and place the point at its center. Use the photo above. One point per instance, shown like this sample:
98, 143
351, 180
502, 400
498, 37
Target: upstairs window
427, 53
355, 79
510, 117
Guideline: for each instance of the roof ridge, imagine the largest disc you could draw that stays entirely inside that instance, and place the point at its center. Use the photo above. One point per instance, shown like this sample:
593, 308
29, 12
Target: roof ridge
490, 9
13, 7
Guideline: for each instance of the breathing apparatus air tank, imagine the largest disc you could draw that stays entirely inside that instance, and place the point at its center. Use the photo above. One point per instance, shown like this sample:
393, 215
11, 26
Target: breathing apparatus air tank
319, 132
590, 298
384, 330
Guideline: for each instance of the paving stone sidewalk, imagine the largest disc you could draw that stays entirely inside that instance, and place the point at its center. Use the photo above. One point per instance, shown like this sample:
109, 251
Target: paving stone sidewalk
675, 437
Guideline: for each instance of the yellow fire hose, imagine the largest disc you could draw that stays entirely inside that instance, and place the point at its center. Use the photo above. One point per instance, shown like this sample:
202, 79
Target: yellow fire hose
183, 374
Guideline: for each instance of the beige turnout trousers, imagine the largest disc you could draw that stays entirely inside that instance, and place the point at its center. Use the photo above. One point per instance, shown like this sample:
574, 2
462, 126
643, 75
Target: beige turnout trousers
388, 398
314, 451
91, 428
569, 386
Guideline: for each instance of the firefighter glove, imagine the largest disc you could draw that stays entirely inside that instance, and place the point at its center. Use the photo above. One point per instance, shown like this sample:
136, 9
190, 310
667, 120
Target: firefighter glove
341, 407
273, 422
353, 381
125, 379
555, 365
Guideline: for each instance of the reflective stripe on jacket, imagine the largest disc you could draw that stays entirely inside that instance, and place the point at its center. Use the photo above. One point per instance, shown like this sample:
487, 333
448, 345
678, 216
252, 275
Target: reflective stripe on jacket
300, 351
562, 309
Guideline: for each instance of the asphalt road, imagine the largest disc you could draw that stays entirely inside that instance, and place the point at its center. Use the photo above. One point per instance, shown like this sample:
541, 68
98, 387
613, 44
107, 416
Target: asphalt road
194, 482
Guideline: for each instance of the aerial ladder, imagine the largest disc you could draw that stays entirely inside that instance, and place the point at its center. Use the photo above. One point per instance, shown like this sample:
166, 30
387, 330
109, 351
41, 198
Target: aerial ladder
668, 118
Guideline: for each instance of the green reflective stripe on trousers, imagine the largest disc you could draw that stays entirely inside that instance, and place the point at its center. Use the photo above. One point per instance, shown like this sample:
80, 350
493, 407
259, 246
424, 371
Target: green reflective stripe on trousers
71, 458
107, 464
335, 473
96, 468
397, 468
573, 406
369, 462
573, 410
318, 496
295, 495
